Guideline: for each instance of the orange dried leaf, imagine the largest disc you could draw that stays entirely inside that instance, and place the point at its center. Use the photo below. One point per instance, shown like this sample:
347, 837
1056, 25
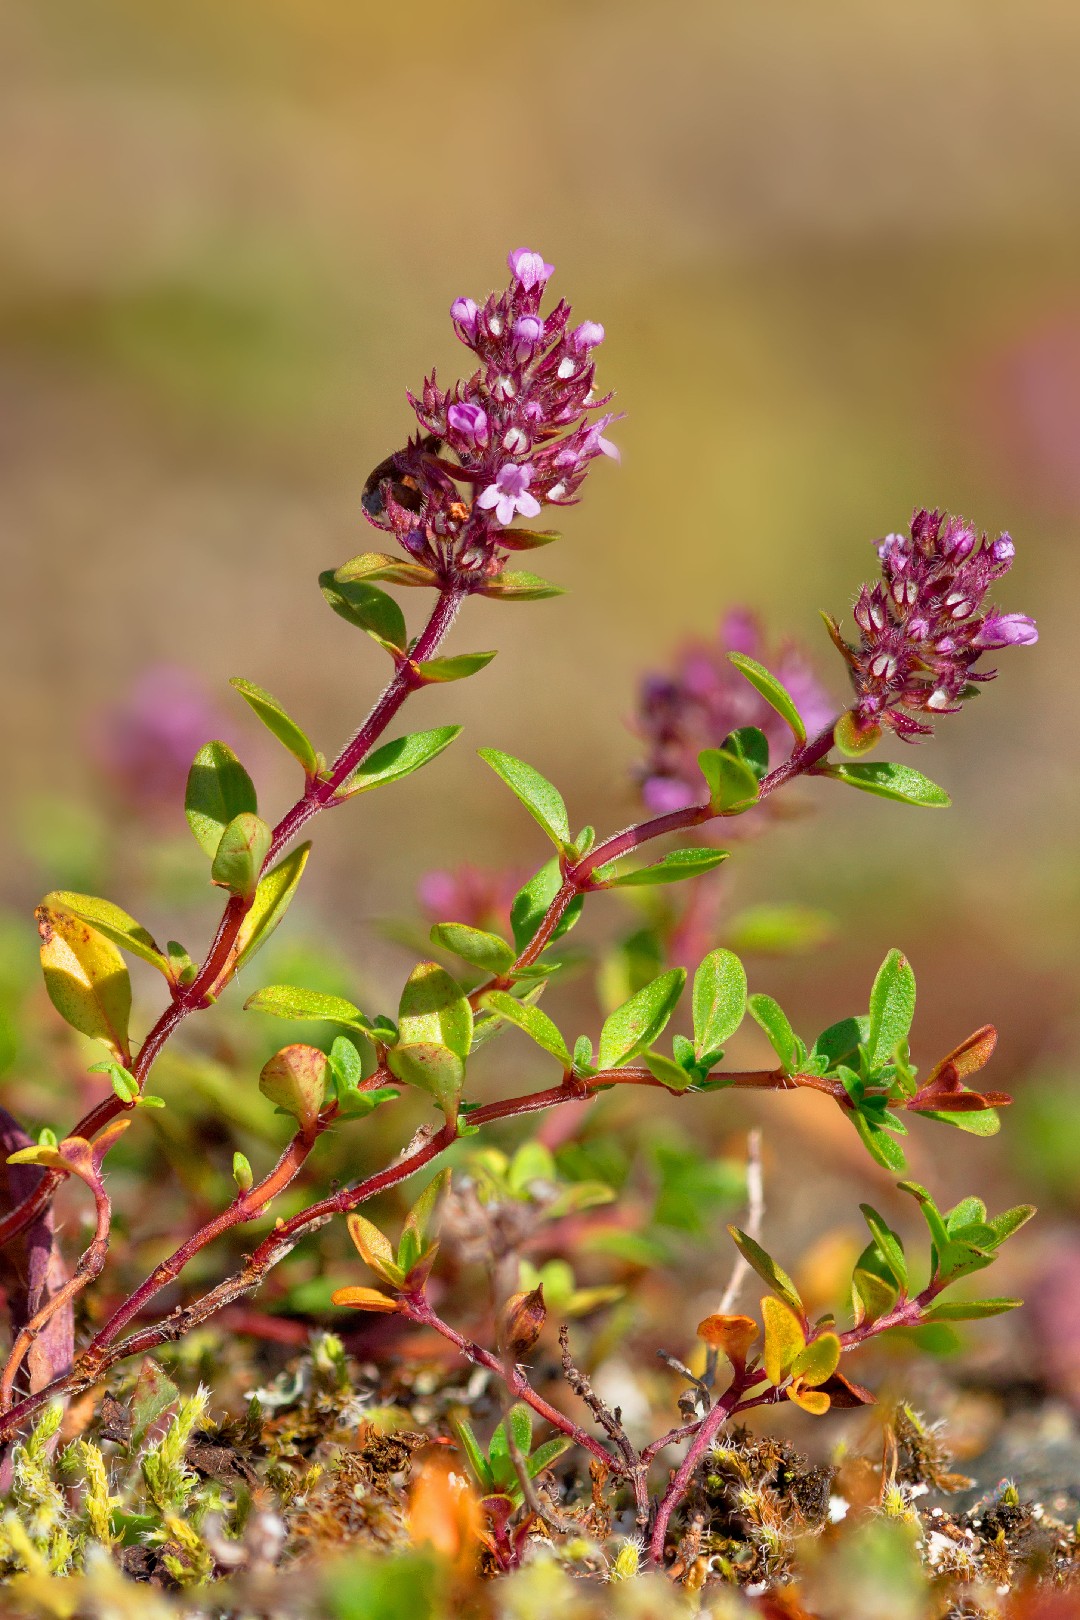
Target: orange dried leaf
732, 1335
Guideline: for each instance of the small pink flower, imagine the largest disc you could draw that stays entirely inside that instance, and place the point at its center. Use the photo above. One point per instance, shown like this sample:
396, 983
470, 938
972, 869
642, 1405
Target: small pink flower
509, 494
529, 268
463, 312
469, 421
587, 335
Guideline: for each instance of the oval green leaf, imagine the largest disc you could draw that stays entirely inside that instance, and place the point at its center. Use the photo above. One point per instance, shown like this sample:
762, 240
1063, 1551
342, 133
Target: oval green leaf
773, 691
218, 788
540, 797
398, 759
275, 720
889, 781
639, 1021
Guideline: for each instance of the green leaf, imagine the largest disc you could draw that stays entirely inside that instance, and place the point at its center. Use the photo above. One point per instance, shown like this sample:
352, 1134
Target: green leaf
583, 1055
372, 565
939, 1234
775, 694
541, 799
873, 1284
474, 1456
434, 1010
890, 781
435, 1069
536, 1024
368, 608
888, 1242
244, 846
520, 587
839, 1044
546, 1454
977, 1122
969, 1310
882, 1148
719, 1001
107, 919
85, 976
818, 1361
473, 945
668, 1072
294, 1080
275, 719
218, 788
1009, 1221
639, 1021
673, 867
122, 1080
422, 1213
293, 1001
272, 899
750, 744
152, 1397
398, 759
782, 1038
457, 668
242, 1172
733, 787
892, 1008
771, 1274
531, 902
345, 1066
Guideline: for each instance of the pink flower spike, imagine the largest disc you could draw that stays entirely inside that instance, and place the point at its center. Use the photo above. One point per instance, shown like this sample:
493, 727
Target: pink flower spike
529, 268
509, 494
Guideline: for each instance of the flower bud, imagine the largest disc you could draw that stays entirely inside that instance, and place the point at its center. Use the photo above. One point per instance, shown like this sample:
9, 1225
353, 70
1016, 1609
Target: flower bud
523, 1318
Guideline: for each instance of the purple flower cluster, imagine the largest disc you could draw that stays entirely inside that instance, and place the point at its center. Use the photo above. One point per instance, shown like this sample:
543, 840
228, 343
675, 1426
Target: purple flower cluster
923, 626
706, 698
510, 439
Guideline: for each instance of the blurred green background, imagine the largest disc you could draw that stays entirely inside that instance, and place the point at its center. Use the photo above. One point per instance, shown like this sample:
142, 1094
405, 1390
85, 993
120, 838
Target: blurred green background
835, 248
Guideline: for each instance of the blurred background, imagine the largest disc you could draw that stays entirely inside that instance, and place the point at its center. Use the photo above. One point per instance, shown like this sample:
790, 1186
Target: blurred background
835, 249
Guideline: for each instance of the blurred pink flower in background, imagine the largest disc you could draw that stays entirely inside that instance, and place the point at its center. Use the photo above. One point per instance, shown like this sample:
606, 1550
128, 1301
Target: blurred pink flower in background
144, 744
470, 894
705, 698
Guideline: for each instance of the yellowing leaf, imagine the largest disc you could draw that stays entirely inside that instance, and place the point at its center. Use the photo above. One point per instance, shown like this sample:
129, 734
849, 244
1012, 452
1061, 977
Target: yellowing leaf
784, 1338
817, 1363
272, 899
374, 1248
814, 1401
85, 977
364, 1299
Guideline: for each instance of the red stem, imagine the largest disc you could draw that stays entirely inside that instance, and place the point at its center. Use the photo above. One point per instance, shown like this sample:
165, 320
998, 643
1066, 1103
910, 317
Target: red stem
418, 1310
317, 795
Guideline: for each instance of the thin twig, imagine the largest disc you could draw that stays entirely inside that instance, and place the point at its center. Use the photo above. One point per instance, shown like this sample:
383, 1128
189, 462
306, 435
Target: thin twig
755, 1216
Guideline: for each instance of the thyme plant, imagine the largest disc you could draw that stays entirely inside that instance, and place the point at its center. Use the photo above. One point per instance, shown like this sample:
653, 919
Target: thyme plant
454, 507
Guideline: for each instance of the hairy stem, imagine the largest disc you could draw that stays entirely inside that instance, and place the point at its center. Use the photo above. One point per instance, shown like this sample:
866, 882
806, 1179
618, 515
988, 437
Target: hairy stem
216, 968
417, 1309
